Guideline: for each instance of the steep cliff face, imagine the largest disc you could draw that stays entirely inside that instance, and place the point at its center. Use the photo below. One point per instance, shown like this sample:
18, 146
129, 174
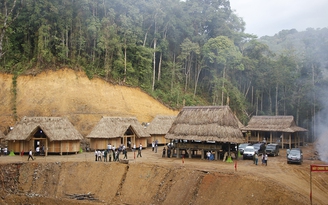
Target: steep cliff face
71, 94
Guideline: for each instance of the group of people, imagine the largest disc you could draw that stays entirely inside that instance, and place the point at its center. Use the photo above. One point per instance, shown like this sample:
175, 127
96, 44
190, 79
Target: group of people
113, 154
264, 159
168, 151
209, 155
4, 150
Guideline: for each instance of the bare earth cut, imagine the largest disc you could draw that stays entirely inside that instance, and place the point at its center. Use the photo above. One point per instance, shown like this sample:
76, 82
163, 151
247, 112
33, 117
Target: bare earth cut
152, 179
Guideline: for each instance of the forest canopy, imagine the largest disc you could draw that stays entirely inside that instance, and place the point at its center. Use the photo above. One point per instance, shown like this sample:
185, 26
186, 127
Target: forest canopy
192, 52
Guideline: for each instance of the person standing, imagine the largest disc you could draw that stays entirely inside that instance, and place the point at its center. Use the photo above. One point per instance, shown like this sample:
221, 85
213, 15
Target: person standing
152, 146
109, 147
265, 159
30, 155
110, 155
96, 155
139, 150
125, 152
99, 155
117, 155
256, 158
208, 154
37, 150
164, 152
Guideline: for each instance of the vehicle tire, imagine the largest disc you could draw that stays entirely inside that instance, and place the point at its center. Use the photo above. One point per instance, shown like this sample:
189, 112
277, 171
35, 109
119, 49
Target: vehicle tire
287, 162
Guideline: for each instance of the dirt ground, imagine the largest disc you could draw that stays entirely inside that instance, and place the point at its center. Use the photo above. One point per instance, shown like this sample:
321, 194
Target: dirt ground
153, 179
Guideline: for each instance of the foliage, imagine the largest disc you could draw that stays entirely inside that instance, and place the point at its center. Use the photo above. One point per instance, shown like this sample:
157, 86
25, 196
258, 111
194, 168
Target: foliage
191, 52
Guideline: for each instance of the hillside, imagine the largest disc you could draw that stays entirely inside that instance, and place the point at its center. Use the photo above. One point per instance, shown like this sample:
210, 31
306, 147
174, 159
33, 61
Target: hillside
71, 94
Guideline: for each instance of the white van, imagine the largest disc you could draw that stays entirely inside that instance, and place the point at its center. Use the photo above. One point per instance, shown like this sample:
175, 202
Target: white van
249, 152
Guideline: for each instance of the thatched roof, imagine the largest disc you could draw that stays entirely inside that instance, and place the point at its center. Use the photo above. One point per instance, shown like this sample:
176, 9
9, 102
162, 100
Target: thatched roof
160, 125
273, 124
113, 127
206, 123
55, 128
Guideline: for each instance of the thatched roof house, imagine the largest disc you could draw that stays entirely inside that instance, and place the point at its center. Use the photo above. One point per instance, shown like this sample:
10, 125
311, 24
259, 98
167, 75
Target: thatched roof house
206, 123
273, 123
118, 130
57, 134
274, 129
158, 128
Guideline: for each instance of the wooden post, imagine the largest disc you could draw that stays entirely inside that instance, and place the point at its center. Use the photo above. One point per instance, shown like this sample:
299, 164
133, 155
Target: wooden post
46, 147
61, 148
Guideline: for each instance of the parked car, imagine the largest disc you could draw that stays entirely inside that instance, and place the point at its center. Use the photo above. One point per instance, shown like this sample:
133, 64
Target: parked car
259, 148
295, 155
249, 152
272, 150
241, 147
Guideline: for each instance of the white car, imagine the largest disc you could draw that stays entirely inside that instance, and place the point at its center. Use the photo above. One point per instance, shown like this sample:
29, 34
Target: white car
249, 152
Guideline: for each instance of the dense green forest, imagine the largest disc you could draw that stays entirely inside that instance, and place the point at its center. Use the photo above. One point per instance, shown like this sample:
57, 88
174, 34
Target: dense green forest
192, 52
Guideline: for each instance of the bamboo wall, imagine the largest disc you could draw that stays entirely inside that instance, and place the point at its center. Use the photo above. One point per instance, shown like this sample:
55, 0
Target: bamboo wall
51, 147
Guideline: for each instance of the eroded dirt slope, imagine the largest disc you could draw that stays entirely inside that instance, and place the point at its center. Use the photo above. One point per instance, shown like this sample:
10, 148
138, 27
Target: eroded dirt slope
153, 179
71, 94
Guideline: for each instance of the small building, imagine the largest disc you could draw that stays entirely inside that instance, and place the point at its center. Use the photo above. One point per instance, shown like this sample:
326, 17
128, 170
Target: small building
158, 128
205, 128
117, 131
281, 130
50, 134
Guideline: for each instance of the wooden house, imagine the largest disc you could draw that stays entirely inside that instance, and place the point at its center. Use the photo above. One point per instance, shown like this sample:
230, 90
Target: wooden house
50, 134
205, 128
281, 130
117, 131
158, 128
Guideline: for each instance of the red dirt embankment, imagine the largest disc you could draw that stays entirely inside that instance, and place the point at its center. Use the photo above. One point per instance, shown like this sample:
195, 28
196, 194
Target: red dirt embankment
156, 180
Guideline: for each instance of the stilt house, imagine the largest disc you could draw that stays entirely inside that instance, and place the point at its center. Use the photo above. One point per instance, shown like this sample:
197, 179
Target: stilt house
198, 129
281, 130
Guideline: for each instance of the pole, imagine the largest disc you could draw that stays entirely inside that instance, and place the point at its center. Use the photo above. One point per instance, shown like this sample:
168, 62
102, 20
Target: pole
310, 184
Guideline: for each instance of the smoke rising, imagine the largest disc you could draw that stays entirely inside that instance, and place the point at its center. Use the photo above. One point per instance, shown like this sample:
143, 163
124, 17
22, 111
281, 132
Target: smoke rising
322, 130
